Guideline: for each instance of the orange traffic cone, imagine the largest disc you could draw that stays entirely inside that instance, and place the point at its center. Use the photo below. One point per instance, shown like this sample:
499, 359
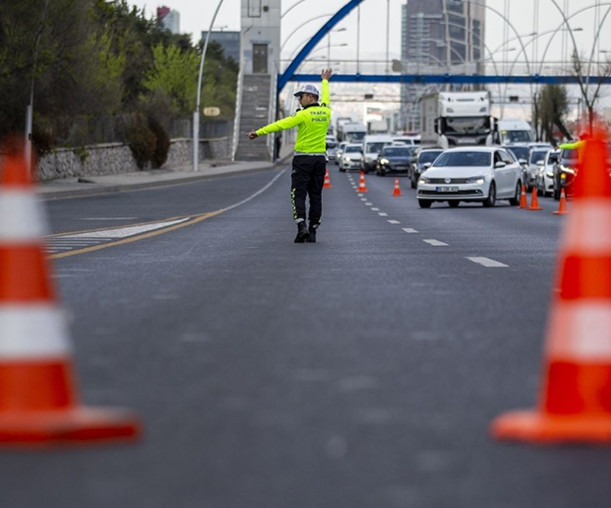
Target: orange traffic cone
38, 400
534, 202
327, 184
562, 208
397, 190
362, 186
575, 402
523, 199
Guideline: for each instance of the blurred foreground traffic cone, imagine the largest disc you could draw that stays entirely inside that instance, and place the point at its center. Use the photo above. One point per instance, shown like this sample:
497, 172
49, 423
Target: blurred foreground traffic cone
397, 190
38, 401
327, 184
534, 201
562, 209
575, 401
523, 199
362, 185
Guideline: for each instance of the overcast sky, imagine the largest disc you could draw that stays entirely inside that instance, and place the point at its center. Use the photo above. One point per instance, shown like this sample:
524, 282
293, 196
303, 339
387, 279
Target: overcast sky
302, 22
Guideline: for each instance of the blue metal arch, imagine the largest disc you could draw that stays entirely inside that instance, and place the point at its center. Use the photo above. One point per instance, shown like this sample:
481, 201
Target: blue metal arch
454, 78
286, 76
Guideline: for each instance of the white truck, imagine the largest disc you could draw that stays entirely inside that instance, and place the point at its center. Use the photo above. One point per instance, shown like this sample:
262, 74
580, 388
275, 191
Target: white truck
511, 130
353, 132
450, 119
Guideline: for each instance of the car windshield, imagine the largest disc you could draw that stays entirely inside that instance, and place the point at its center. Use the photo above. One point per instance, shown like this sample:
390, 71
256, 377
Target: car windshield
569, 153
537, 156
395, 151
352, 148
374, 147
516, 136
331, 145
521, 152
463, 158
428, 156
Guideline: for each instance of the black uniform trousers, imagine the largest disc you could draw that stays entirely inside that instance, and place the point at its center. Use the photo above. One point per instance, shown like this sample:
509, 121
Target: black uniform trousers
307, 179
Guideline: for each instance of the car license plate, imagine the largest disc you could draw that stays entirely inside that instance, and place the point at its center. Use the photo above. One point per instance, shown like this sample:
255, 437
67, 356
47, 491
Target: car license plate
446, 189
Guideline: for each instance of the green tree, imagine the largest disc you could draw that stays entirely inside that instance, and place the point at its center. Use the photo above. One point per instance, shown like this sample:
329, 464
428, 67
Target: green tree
174, 75
552, 105
219, 81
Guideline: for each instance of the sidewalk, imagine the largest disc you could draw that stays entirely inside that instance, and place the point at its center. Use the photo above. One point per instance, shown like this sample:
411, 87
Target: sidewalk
98, 184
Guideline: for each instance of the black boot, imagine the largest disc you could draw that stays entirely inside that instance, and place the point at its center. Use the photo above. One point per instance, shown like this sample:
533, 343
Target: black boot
302, 233
312, 233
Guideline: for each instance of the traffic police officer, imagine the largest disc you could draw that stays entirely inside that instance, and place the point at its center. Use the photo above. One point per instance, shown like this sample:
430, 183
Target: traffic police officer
309, 160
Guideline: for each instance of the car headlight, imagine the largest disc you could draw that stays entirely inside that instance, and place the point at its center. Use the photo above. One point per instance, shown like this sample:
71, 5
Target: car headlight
567, 170
346, 159
479, 180
368, 159
423, 179
549, 174
384, 161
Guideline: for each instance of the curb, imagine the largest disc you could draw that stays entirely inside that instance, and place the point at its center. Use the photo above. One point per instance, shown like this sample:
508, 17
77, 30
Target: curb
94, 188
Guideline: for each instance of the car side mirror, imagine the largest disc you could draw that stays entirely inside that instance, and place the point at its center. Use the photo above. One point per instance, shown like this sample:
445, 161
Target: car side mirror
499, 165
522, 161
427, 165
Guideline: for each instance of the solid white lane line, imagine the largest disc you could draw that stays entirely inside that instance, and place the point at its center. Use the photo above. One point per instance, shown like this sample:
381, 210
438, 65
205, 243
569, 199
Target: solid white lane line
435, 243
393, 221
487, 262
409, 230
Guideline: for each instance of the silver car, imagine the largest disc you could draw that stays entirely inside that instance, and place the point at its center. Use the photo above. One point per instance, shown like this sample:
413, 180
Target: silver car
351, 157
534, 157
482, 174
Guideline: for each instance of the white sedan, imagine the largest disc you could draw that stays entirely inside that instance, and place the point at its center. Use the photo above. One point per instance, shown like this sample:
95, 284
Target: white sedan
482, 174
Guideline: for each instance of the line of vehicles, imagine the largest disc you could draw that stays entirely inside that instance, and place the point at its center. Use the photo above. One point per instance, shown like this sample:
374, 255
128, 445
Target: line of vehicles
462, 154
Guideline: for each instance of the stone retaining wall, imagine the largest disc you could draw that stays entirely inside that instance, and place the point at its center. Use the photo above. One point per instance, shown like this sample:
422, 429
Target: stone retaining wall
113, 158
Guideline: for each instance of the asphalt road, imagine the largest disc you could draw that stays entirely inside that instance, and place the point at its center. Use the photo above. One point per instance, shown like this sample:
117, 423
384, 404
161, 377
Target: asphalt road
362, 371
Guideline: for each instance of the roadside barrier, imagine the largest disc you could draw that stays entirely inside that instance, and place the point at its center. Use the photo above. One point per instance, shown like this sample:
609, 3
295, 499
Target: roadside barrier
534, 201
523, 199
38, 399
397, 190
327, 184
562, 208
575, 400
362, 185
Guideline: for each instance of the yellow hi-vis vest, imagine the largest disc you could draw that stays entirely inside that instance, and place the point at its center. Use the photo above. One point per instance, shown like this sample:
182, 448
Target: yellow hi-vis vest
312, 124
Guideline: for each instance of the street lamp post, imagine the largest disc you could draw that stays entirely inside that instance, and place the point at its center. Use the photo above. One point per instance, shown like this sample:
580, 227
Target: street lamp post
343, 29
199, 92
29, 112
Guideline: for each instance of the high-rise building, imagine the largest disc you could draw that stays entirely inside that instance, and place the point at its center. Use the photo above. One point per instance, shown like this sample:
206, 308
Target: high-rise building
168, 19
438, 36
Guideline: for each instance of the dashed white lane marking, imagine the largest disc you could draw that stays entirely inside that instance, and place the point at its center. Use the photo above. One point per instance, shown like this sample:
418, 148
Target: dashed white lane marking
487, 262
435, 243
368, 204
363, 199
409, 230
382, 214
375, 209
393, 221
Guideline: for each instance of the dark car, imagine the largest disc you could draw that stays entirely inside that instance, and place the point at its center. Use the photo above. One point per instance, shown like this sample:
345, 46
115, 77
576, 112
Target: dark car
422, 159
394, 159
564, 171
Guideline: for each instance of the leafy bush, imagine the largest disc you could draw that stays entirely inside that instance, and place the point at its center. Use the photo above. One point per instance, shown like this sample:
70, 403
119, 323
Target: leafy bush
141, 140
162, 142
